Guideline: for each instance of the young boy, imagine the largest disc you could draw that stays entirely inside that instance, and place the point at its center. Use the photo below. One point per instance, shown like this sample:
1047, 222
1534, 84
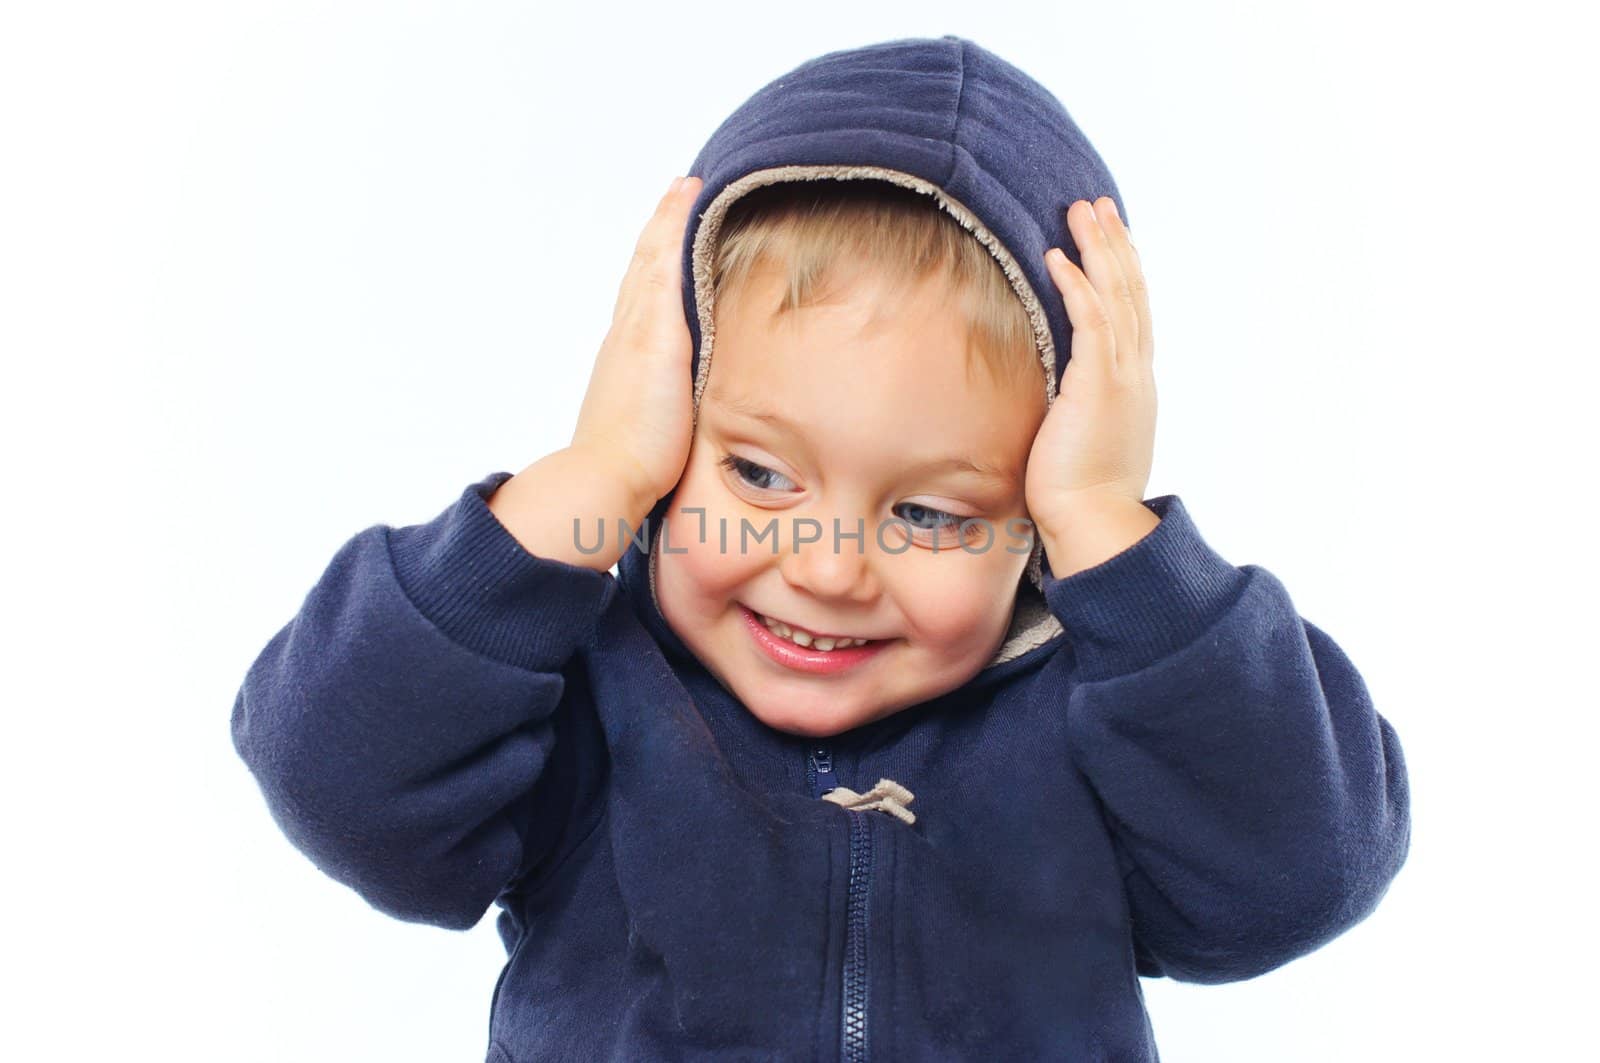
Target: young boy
847, 762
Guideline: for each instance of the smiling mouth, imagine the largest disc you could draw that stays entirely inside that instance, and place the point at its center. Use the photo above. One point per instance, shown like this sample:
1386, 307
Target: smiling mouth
806, 639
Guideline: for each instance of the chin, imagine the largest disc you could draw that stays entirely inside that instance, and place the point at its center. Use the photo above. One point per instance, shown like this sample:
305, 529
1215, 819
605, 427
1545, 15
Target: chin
819, 716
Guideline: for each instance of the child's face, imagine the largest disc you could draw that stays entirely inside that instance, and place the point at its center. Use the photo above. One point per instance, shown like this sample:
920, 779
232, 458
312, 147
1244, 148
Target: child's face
868, 409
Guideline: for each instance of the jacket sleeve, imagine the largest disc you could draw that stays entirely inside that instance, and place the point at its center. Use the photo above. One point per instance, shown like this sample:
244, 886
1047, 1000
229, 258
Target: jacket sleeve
1257, 802
399, 723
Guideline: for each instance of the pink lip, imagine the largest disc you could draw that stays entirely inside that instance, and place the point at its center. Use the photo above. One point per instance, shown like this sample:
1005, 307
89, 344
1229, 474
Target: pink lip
803, 659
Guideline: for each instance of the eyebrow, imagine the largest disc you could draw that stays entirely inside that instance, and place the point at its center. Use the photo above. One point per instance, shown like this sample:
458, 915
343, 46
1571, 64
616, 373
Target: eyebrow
752, 409
966, 465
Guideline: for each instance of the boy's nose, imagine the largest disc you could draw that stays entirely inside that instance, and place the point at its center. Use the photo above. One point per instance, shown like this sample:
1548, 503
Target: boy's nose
828, 568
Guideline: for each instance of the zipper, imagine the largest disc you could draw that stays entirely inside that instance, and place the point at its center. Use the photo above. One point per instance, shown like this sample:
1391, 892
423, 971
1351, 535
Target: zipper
853, 1009
854, 1046
819, 770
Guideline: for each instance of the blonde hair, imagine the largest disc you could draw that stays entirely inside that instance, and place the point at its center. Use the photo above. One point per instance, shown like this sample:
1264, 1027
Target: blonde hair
815, 231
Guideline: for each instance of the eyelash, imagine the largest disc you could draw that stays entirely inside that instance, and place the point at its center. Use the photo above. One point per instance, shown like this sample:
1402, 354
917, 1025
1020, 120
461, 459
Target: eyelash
738, 465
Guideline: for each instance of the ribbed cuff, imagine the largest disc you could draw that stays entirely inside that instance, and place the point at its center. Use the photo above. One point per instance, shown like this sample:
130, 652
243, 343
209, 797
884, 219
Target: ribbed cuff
467, 574
1147, 602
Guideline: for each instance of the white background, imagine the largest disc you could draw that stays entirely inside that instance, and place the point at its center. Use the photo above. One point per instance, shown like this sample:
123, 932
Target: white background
273, 273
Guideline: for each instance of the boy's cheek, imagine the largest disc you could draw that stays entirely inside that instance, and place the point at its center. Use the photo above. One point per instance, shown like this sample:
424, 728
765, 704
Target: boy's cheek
951, 600
705, 566
954, 610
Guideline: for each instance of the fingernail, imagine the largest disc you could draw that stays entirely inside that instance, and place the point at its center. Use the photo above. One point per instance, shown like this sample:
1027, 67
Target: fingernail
676, 182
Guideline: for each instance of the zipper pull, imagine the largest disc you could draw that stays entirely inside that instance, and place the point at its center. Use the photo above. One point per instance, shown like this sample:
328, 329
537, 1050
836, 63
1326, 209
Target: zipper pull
822, 777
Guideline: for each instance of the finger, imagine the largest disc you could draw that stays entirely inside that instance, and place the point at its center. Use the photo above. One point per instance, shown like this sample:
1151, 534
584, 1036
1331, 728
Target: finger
1093, 335
678, 196
1104, 271
1121, 241
655, 266
663, 233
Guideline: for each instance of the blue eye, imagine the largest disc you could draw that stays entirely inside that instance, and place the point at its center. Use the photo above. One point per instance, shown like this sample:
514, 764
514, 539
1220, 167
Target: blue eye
945, 526
750, 473
941, 518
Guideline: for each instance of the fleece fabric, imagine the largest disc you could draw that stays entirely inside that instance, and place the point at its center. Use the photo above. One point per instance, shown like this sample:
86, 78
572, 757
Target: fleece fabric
1167, 772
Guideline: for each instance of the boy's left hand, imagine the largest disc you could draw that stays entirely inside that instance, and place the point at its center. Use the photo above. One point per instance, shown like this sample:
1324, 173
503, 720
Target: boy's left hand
1091, 459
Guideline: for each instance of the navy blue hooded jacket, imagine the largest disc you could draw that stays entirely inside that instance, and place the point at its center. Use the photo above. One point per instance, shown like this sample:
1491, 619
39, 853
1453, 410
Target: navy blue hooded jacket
1165, 770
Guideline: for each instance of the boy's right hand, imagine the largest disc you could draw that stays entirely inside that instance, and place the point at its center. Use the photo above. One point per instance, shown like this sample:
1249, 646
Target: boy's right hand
636, 420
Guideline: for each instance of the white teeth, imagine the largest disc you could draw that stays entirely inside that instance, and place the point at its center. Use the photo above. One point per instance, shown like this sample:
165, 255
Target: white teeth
805, 638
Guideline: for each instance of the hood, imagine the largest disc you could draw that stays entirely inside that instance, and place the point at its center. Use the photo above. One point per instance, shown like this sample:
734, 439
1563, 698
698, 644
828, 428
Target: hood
942, 116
